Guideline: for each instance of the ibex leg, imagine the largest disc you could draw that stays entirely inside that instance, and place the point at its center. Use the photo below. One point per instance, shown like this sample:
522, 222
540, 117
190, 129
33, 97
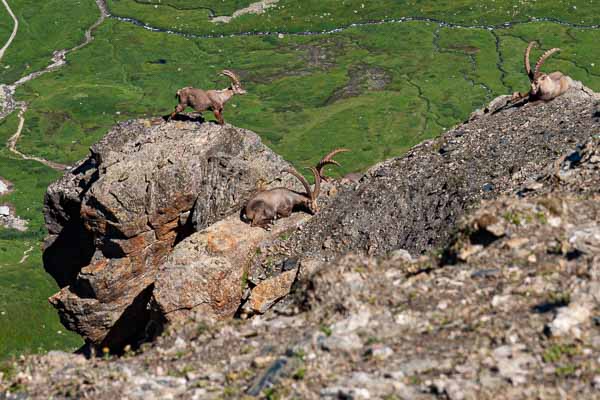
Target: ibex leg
219, 116
178, 108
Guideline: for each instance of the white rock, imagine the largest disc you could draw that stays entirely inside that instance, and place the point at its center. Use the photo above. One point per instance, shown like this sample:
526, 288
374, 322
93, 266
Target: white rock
180, 344
567, 318
348, 342
401, 254
501, 301
381, 352
352, 323
407, 319
5, 211
586, 240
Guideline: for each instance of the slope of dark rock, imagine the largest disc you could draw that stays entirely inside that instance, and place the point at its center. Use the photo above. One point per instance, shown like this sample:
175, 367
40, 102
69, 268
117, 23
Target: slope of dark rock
413, 202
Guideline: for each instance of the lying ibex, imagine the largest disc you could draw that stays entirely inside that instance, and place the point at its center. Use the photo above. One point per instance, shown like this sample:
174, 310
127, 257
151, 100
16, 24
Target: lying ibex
208, 100
543, 86
272, 204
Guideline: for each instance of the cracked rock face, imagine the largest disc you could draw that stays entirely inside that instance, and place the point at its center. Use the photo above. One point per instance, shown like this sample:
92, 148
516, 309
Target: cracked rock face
115, 217
206, 272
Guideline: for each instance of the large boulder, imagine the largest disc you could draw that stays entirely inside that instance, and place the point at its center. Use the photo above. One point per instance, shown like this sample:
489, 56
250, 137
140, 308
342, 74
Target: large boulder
207, 272
116, 216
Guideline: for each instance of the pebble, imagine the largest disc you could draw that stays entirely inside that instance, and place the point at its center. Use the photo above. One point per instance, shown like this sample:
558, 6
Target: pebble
348, 343
418, 366
380, 352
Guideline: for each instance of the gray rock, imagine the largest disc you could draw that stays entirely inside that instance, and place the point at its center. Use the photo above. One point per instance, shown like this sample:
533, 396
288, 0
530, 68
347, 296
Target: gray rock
513, 363
418, 366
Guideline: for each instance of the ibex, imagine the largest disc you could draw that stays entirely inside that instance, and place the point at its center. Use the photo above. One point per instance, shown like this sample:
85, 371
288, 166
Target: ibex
269, 205
543, 86
213, 100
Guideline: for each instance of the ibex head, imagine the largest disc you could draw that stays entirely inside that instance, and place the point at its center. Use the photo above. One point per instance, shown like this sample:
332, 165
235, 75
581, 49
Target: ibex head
311, 195
236, 86
540, 82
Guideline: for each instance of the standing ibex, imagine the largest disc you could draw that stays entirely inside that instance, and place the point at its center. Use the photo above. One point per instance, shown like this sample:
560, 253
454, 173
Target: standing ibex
543, 86
269, 205
213, 100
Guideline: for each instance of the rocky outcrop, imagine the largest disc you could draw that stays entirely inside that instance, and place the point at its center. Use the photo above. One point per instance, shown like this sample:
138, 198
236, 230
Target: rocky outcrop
508, 309
125, 214
115, 218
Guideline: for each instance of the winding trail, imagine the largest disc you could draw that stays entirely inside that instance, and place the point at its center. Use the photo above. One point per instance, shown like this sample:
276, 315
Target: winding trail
12, 144
7, 92
26, 254
14, 32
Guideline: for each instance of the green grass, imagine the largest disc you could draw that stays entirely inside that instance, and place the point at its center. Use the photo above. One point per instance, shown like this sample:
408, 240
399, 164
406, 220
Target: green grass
306, 94
6, 27
319, 15
44, 26
27, 322
437, 76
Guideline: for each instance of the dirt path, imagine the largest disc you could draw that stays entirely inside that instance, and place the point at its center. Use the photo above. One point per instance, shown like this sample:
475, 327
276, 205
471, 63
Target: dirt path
255, 8
26, 254
58, 60
12, 144
14, 32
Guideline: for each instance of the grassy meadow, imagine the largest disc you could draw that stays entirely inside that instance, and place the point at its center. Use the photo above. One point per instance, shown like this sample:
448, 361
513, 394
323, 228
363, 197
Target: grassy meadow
319, 15
377, 89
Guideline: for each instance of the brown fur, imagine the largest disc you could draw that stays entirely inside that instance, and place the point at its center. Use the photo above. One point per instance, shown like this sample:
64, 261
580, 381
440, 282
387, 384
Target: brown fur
543, 86
269, 205
208, 100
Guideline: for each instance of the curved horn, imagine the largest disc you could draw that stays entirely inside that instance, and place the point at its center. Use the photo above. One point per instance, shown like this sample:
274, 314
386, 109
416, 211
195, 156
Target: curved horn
315, 193
231, 75
327, 159
543, 59
527, 63
302, 180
